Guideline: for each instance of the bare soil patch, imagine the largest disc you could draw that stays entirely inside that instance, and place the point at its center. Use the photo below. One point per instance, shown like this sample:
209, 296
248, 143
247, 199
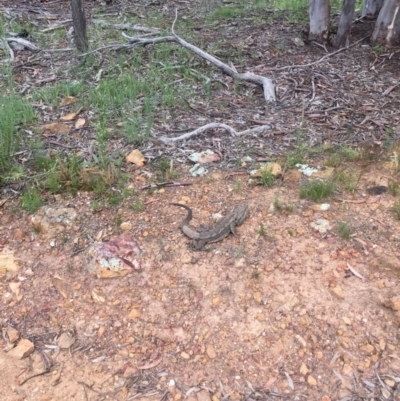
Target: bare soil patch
281, 312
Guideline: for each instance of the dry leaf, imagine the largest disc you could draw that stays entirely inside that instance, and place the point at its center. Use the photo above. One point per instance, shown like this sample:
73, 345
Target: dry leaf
274, 168
3, 272
136, 157
8, 262
67, 101
69, 116
3, 202
62, 287
80, 123
54, 128
97, 296
16, 289
105, 273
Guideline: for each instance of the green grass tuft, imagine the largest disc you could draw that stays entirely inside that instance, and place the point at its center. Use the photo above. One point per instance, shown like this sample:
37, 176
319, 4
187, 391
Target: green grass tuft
396, 209
31, 200
15, 113
344, 230
316, 190
394, 188
267, 179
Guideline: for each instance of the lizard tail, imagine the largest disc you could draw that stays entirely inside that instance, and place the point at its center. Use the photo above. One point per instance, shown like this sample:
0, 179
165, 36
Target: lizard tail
189, 215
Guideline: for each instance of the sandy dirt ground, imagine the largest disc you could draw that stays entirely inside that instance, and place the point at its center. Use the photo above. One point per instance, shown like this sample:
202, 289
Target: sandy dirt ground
285, 311
275, 311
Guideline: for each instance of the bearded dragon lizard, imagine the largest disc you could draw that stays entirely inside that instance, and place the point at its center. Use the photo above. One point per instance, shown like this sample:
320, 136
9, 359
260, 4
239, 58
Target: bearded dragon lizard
221, 230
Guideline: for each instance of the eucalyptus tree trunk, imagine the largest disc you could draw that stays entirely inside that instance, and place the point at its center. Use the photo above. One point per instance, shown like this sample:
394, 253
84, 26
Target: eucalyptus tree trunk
387, 27
79, 23
346, 19
319, 20
371, 8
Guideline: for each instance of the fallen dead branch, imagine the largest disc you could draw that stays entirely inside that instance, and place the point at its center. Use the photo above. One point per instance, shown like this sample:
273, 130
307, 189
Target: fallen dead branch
13, 44
4, 45
21, 44
257, 130
126, 26
166, 184
266, 83
59, 25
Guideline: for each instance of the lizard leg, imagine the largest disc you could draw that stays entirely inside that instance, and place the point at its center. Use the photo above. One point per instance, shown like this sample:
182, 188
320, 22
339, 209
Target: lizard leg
233, 231
198, 244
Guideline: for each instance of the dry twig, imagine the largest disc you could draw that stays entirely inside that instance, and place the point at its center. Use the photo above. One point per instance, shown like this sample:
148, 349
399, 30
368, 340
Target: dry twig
257, 130
266, 83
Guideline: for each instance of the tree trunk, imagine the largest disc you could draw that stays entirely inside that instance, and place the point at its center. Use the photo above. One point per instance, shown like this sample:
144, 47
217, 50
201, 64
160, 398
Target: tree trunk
319, 20
79, 23
371, 8
387, 27
346, 19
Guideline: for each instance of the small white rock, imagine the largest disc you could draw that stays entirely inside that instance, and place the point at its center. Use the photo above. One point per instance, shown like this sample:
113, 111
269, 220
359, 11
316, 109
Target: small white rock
321, 225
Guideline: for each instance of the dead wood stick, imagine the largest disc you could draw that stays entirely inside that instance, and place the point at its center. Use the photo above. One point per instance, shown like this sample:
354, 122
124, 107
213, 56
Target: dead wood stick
166, 184
133, 27
60, 24
257, 130
266, 83
268, 86
5, 45
22, 43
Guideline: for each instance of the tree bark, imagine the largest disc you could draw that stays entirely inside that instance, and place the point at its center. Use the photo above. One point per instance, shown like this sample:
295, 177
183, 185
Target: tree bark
346, 19
79, 23
387, 27
319, 20
371, 8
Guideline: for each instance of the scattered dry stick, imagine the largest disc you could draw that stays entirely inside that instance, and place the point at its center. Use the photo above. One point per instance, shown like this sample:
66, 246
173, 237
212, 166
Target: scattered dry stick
105, 394
342, 49
266, 83
166, 184
133, 27
257, 130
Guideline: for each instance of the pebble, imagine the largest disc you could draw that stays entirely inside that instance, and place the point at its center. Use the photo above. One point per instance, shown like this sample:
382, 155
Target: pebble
211, 352
216, 301
126, 226
22, 350
260, 317
394, 303
258, 297
12, 334
321, 225
337, 291
303, 369
367, 349
134, 313
390, 382
66, 340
